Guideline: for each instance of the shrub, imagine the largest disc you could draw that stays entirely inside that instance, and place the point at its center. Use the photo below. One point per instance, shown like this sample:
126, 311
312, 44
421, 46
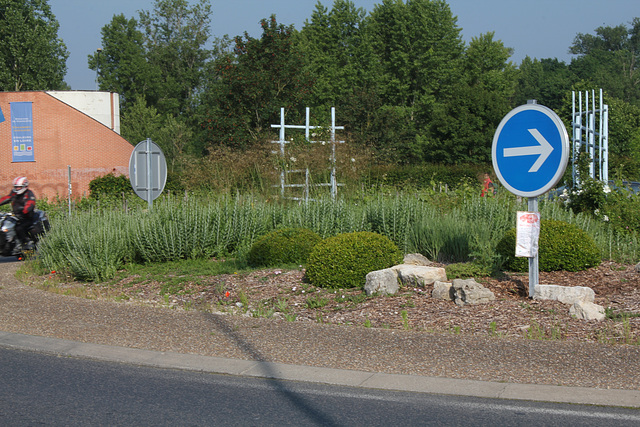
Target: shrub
284, 246
343, 261
110, 185
562, 246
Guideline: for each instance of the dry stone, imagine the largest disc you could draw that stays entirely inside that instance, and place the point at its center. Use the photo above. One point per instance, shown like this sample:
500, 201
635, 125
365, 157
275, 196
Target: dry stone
417, 259
383, 282
587, 311
419, 276
564, 294
443, 290
471, 292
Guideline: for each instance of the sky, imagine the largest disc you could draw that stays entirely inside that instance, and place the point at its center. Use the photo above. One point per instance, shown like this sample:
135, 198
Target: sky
534, 28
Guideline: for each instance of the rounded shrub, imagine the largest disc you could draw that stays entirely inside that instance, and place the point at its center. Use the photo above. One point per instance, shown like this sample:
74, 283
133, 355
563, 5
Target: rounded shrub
562, 246
283, 246
343, 261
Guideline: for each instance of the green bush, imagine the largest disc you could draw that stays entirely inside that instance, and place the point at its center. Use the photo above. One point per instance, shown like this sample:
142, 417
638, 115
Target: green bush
283, 246
110, 185
562, 246
343, 261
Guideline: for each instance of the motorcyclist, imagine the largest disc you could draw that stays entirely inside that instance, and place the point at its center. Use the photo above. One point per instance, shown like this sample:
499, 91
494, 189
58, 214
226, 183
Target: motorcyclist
23, 204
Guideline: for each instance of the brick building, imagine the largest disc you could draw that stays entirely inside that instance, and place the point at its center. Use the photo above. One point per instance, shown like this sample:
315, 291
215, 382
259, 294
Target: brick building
72, 129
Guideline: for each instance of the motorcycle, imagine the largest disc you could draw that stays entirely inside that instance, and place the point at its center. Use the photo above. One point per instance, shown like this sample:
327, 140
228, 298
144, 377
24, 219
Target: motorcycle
8, 238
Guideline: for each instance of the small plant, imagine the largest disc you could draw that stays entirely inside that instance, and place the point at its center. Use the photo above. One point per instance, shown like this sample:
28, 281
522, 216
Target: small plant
290, 317
244, 300
466, 270
282, 305
316, 302
367, 323
535, 331
405, 319
493, 326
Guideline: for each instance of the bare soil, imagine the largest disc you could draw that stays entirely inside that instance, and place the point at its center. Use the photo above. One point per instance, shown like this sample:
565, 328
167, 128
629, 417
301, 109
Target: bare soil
285, 295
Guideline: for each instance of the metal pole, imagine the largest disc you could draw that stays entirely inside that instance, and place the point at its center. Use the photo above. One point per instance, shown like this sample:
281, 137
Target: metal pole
282, 141
69, 173
334, 186
533, 262
149, 189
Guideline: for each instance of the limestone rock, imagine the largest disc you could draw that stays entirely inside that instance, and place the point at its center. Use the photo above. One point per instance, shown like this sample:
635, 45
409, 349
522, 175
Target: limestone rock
417, 259
419, 276
383, 282
587, 311
564, 294
471, 292
443, 290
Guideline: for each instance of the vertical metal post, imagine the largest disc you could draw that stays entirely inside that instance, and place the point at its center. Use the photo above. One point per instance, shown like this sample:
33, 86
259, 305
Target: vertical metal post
282, 141
306, 126
69, 173
573, 135
533, 262
149, 187
334, 186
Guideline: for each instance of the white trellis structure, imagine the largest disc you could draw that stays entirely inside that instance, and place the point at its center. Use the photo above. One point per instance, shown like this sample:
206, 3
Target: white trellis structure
282, 141
590, 135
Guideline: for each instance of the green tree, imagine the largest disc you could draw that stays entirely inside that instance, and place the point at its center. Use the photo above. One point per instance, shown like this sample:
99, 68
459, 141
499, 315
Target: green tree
161, 55
545, 80
419, 49
338, 52
175, 38
609, 59
463, 125
248, 86
140, 121
32, 57
122, 63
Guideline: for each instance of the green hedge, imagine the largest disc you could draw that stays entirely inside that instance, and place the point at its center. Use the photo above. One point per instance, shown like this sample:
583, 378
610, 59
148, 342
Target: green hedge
343, 261
283, 246
562, 246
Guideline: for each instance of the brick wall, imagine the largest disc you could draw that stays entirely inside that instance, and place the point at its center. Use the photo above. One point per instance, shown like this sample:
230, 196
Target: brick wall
62, 137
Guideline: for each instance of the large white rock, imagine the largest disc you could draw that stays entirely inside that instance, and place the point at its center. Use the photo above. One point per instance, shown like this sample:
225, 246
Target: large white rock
419, 276
416, 259
443, 290
383, 282
587, 311
564, 294
471, 292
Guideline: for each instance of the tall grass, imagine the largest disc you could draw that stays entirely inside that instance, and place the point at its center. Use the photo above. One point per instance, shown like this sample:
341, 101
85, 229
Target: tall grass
93, 245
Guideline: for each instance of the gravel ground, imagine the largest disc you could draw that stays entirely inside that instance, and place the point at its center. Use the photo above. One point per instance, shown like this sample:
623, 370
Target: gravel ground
32, 311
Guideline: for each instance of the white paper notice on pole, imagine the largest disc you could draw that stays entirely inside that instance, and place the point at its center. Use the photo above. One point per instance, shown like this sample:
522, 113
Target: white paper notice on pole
527, 234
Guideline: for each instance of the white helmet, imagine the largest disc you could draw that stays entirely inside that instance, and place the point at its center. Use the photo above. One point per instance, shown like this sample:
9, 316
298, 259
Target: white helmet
20, 184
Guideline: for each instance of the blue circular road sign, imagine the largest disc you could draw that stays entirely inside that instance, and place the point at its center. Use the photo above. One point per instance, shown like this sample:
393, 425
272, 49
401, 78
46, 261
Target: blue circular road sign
530, 150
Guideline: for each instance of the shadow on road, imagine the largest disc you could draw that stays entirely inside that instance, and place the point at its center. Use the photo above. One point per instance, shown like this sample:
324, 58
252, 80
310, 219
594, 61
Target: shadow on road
254, 354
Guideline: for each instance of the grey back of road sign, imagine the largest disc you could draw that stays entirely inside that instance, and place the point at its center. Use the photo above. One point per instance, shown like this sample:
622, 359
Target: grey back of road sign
147, 170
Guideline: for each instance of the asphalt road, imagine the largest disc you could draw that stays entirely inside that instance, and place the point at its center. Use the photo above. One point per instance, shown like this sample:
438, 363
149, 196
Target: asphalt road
44, 389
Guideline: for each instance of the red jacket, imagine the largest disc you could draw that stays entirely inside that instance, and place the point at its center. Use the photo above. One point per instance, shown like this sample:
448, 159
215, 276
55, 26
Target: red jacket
21, 204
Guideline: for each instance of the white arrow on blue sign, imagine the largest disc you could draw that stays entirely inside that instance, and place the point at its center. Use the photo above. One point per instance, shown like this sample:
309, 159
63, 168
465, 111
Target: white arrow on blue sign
530, 150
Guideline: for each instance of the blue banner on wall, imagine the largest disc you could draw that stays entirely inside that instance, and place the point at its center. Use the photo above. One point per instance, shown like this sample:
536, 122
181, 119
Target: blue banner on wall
1, 116
22, 131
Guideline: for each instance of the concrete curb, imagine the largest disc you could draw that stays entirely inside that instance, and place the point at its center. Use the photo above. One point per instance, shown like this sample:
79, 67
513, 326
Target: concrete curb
280, 371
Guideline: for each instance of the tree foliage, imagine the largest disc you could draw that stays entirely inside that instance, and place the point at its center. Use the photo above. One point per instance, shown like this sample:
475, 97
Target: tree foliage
160, 56
32, 57
610, 59
403, 81
250, 85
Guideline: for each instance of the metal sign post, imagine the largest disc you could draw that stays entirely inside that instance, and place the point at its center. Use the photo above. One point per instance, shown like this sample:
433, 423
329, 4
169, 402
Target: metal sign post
530, 153
147, 171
